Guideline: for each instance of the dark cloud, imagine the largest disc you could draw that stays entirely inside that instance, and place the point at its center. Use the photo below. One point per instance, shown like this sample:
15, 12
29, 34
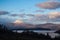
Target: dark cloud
49, 5
3, 12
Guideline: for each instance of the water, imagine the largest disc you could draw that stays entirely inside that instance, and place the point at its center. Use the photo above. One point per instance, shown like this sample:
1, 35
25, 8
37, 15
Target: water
38, 31
51, 32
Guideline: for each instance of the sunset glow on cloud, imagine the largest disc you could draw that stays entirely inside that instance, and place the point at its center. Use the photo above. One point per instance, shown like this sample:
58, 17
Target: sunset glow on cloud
18, 22
49, 5
54, 14
31, 12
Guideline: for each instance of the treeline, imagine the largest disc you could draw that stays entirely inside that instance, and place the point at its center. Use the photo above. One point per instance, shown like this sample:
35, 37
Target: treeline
6, 34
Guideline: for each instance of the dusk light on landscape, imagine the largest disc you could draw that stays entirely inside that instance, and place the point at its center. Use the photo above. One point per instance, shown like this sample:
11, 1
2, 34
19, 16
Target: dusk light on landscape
23, 18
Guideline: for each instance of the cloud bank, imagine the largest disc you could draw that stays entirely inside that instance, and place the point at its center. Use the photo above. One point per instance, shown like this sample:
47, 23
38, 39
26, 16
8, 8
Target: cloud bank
50, 17
39, 18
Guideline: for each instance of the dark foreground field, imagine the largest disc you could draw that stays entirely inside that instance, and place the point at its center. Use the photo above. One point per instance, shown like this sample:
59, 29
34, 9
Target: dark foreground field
6, 34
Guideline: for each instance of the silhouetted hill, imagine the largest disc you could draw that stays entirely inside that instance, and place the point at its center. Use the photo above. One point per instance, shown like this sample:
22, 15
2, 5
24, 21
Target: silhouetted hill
31, 29
6, 34
58, 31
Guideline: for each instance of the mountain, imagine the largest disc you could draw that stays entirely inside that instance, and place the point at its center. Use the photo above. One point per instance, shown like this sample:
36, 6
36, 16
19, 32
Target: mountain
19, 26
31, 26
50, 26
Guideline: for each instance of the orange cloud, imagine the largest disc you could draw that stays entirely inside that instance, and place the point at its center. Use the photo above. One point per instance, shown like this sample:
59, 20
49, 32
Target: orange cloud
18, 21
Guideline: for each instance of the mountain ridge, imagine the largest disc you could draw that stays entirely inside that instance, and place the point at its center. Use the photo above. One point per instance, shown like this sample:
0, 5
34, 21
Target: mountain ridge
25, 25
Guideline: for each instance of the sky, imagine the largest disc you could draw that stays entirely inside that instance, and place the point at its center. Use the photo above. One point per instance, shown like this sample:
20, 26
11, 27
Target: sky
30, 11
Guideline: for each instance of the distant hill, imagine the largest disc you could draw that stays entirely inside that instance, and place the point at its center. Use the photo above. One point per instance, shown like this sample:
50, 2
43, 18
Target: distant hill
50, 26
31, 26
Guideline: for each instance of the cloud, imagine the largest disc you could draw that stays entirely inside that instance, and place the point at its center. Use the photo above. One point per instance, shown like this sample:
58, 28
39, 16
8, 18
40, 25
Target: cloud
53, 0
22, 10
18, 21
31, 15
37, 18
22, 15
19, 15
50, 17
13, 15
54, 14
3, 12
39, 11
49, 5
